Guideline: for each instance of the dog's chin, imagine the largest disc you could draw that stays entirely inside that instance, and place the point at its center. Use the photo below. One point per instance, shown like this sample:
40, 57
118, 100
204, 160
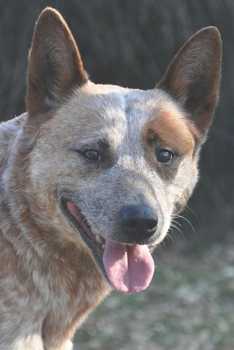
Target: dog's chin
112, 257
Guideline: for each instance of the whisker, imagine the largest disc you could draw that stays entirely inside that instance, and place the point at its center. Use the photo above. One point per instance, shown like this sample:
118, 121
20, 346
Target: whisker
187, 208
174, 225
170, 237
185, 219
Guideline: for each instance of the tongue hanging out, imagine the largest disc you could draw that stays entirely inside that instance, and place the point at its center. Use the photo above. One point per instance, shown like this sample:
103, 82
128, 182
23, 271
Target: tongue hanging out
129, 268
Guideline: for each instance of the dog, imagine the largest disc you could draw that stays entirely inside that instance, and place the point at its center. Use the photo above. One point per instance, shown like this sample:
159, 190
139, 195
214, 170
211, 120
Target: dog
91, 179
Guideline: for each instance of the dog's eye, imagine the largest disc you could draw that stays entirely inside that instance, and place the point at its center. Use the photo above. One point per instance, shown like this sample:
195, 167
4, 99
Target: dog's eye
164, 156
91, 154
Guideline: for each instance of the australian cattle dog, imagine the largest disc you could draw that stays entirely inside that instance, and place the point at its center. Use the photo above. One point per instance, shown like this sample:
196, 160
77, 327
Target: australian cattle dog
91, 178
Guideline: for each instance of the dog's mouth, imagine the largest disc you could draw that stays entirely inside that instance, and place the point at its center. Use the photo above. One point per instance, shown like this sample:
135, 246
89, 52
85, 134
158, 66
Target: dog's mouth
128, 268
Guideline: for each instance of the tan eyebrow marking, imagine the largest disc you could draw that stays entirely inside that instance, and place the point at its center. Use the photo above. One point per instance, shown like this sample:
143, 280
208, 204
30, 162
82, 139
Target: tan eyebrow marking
173, 129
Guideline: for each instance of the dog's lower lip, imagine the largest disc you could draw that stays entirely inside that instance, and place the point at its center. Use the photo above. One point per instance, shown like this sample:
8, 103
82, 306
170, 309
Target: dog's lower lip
151, 247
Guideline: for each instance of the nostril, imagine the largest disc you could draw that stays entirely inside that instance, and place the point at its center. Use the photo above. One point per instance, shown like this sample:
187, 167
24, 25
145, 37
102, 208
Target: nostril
152, 224
130, 224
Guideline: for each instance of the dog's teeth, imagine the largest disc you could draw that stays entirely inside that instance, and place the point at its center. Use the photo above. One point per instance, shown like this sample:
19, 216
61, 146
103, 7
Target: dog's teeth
98, 239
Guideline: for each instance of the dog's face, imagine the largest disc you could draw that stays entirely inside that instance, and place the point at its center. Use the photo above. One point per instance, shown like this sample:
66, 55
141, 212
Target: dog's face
112, 159
109, 165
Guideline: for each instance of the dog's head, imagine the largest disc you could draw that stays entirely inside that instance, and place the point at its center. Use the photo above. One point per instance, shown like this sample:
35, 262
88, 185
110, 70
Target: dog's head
112, 165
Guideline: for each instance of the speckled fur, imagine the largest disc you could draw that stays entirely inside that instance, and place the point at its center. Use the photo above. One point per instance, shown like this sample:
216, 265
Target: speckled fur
49, 279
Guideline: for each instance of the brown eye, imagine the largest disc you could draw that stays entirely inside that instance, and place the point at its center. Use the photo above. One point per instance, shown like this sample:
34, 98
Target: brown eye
164, 156
91, 154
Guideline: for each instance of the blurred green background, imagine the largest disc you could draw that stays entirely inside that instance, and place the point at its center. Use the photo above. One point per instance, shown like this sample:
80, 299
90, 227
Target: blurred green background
130, 43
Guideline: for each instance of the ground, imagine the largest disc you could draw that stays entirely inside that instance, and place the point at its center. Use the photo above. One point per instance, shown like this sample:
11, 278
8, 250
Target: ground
188, 306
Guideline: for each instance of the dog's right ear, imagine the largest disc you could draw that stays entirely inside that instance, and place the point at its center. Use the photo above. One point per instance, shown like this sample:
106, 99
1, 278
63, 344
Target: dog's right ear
55, 67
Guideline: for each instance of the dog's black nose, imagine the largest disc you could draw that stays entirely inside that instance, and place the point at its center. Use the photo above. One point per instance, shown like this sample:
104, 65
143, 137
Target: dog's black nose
138, 222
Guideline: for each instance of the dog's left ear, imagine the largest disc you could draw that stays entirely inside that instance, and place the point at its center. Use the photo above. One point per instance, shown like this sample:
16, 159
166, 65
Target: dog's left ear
55, 67
193, 77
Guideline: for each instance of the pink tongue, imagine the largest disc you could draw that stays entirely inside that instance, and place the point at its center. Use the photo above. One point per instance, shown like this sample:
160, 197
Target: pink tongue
129, 268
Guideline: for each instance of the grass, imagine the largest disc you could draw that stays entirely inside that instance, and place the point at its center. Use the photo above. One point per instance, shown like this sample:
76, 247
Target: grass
189, 305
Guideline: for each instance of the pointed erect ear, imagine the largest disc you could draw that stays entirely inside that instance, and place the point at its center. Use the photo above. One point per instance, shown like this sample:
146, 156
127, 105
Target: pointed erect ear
55, 66
193, 77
